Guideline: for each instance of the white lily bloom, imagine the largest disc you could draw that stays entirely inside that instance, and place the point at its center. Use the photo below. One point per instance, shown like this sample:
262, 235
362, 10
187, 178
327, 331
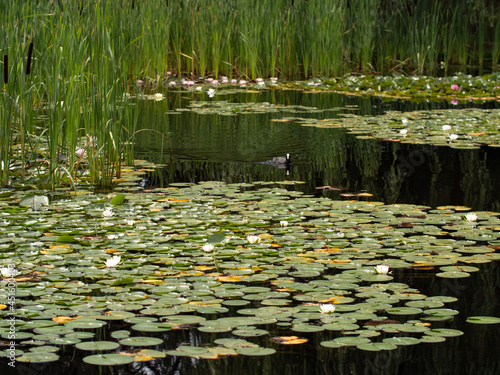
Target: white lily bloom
471, 217
8, 272
453, 137
446, 127
113, 262
253, 239
326, 308
208, 247
283, 223
107, 212
382, 269
211, 93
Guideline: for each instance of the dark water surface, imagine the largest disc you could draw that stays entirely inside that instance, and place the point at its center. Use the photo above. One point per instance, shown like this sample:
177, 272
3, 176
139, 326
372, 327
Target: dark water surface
240, 149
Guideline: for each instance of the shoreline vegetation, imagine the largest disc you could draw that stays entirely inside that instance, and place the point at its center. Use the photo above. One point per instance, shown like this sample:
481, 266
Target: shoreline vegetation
70, 68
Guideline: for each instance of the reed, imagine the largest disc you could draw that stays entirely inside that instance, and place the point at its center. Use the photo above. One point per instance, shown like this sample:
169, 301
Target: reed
67, 65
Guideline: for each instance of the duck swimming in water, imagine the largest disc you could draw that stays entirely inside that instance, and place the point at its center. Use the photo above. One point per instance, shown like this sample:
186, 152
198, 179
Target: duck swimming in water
281, 161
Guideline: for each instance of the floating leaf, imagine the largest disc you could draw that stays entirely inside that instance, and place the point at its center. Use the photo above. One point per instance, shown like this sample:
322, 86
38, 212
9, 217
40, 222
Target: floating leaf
35, 201
216, 238
37, 357
141, 341
117, 199
288, 340
97, 345
108, 359
483, 320
255, 352
376, 346
444, 332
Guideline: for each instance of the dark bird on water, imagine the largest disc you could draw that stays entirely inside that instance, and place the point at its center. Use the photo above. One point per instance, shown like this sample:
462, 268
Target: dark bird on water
281, 161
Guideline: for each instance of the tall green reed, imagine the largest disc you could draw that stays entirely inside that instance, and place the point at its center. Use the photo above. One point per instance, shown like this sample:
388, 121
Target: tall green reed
85, 54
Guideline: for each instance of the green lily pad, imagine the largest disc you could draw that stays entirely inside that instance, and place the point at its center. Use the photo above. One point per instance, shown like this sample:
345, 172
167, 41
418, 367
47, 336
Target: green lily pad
108, 359
38, 357
444, 332
255, 352
483, 320
35, 201
117, 199
402, 341
141, 341
97, 345
376, 346
345, 341
404, 311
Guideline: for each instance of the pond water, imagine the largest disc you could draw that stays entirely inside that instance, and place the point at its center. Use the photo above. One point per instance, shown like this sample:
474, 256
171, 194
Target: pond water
239, 147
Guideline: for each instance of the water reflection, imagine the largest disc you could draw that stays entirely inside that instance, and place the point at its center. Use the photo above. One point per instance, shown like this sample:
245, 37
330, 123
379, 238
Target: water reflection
239, 147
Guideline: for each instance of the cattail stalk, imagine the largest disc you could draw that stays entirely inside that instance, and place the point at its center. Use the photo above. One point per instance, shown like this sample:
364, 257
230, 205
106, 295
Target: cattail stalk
6, 69
30, 54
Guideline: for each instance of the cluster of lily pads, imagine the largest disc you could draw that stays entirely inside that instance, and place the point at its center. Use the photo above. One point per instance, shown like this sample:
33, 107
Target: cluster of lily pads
253, 261
453, 88
458, 87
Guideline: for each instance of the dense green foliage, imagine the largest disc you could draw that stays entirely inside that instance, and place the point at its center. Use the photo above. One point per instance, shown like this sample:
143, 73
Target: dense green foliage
288, 38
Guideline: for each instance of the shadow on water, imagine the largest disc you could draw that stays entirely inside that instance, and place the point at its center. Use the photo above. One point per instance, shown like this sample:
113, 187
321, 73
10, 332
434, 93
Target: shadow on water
240, 148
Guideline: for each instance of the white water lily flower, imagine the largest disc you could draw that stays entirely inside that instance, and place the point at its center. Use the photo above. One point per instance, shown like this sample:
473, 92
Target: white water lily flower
382, 269
113, 262
107, 212
326, 308
8, 272
403, 132
453, 137
283, 223
208, 247
211, 93
81, 152
158, 96
446, 127
471, 217
112, 236
253, 239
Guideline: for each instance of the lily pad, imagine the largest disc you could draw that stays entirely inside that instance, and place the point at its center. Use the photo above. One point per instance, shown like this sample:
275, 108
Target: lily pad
141, 341
97, 345
108, 359
483, 320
